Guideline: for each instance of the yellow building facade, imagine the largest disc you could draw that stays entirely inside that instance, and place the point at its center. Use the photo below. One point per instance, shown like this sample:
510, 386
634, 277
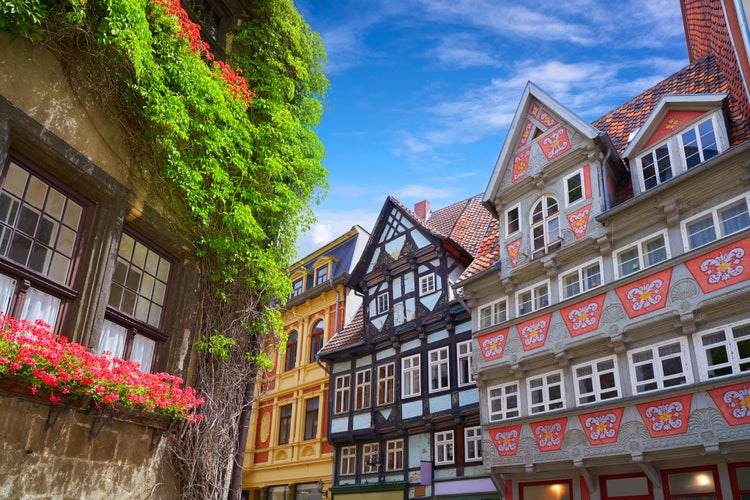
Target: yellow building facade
287, 455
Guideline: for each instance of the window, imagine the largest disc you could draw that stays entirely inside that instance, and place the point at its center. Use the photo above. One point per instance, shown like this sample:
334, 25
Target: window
342, 394
575, 189
321, 275
545, 226
136, 302
739, 475
39, 228
316, 340
311, 418
439, 369
362, 390
290, 357
410, 377
512, 220
503, 401
297, 287
427, 284
370, 458
285, 424
642, 254
348, 457
695, 482
546, 490
394, 455
719, 222
473, 444
582, 279
493, 314
596, 381
626, 486
546, 392
533, 298
655, 167
385, 384
382, 303
725, 351
660, 366
463, 350
444, 448
699, 143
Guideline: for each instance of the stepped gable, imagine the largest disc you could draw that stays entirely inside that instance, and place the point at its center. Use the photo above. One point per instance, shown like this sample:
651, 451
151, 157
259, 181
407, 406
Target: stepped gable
702, 76
352, 334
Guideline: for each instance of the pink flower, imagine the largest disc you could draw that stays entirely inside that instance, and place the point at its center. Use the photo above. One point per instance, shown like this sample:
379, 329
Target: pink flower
54, 399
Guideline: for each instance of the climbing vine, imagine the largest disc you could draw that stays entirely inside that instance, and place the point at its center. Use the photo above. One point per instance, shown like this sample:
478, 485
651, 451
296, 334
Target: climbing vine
236, 139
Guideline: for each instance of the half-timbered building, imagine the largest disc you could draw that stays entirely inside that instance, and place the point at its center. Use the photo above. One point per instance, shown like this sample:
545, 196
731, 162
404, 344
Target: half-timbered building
611, 304
403, 405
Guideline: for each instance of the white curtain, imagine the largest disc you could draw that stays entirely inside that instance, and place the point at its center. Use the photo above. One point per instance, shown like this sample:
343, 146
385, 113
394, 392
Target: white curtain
39, 305
7, 287
143, 352
112, 339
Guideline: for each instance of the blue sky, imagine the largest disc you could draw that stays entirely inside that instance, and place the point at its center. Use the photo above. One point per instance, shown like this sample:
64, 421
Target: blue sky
422, 91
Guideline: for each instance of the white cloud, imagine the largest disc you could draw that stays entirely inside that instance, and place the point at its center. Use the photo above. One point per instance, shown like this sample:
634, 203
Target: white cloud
330, 225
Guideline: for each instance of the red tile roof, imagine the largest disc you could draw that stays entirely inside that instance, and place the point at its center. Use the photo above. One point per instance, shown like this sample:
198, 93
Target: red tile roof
353, 333
488, 253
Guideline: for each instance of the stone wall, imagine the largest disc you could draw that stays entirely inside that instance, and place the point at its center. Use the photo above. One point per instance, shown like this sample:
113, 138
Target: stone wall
61, 461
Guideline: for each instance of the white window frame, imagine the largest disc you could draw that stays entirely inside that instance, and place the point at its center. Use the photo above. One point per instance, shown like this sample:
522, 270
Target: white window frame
735, 364
549, 224
716, 223
348, 461
643, 259
508, 399
536, 297
342, 401
495, 313
386, 384
473, 444
599, 371
370, 458
362, 389
653, 359
463, 362
544, 384
427, 284
444, 448
584, 195
660, 176
582, 279
394, 455
439, 364
411, 376
382, 303
517, 209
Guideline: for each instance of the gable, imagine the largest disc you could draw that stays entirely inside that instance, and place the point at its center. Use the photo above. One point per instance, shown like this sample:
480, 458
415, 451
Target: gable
397, 237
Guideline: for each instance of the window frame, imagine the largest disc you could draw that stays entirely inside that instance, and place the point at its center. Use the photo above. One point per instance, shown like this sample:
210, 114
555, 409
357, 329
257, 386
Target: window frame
412, 372
734, 359
581, 279
503, 397
497, 314
342, 394
362, 389
368, 451
464, 352
659, 378
535, 301
427, 284
547, 404
508, 224
317, 338
290, 354
285, 424
566, 187
640, 247
439, 369
311, 419
386, 384
322, 274
550, 225
298, 286
382, 303
473, 444
597, 392
348, 460
445, 452
717, 224
394, 455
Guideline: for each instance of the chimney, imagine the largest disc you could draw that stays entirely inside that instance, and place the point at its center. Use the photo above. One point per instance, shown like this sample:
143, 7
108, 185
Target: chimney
422, 209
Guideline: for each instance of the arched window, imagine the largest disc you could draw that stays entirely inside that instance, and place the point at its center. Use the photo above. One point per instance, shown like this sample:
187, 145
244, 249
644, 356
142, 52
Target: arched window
291, 351
545, 226
316, 340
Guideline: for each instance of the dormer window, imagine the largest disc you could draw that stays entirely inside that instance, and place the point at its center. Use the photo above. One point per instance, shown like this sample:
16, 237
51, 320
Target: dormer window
321, 275
297, 287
